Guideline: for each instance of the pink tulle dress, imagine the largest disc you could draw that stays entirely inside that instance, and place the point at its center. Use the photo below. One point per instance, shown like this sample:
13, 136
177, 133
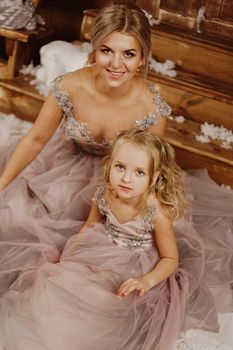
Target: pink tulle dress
72, 304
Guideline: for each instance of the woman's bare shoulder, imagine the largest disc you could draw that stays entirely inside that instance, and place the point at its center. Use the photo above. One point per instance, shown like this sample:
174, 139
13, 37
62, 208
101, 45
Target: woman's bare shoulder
154, 102
77, 79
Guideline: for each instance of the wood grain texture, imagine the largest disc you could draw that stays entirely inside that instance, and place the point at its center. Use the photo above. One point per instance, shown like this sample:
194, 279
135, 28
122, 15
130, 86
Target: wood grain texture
218, 16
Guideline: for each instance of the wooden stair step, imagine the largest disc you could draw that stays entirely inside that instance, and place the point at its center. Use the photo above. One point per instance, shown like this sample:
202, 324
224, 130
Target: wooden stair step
196, 98
192, 154
208, 58
19, 97
24, 35
183, 135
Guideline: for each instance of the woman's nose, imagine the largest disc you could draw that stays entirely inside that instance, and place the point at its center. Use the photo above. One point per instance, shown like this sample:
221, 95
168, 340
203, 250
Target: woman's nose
116, 61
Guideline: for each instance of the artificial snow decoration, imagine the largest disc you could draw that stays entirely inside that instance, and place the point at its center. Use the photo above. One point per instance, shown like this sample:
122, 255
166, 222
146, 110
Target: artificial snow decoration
165, 68
12, 127
179, 119
57, 58
200, 18
151, 19
211, 132
28, 69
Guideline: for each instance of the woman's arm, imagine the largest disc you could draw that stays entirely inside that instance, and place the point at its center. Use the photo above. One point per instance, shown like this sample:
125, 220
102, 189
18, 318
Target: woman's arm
32, 143
160, 127
167, 264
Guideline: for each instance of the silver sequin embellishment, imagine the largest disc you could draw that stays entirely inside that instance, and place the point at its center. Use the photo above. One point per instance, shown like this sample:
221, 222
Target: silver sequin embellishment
143, 237
163, 108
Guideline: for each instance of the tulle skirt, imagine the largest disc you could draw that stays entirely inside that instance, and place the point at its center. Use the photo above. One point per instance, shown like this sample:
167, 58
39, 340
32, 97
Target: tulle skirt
74, 303
46, 301
44, 206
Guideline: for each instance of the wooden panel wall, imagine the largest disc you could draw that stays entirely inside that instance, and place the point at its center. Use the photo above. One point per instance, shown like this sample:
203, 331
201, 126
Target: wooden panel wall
65, 16
218, 14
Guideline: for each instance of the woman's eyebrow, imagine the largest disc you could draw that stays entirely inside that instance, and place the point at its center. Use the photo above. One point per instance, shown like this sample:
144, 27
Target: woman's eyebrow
127, 50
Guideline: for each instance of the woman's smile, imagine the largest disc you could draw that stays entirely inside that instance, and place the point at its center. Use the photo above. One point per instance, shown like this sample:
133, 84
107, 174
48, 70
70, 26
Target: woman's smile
114, 74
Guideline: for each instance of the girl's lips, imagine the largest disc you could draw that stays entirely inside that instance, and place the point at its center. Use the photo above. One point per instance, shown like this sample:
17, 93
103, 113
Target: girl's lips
125, 188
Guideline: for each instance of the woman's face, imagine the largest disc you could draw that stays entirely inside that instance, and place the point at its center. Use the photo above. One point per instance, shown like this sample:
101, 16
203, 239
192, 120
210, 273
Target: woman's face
118, 58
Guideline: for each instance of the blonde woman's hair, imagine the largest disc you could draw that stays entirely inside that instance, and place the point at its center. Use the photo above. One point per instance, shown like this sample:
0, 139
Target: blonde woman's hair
123, 17
166, 179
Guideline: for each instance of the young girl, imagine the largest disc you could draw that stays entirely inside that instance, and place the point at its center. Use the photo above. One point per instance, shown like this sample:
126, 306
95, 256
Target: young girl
118, 284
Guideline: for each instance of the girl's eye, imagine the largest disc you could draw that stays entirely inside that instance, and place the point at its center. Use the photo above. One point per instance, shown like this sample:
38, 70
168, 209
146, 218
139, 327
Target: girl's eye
140, 173
119, 167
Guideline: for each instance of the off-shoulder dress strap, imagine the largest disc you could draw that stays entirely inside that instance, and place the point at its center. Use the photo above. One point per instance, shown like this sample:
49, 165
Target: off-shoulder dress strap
151, 119
62, 96
162, 106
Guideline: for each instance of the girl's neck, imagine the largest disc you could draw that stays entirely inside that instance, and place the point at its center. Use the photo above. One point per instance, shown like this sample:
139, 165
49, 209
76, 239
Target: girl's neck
126, 210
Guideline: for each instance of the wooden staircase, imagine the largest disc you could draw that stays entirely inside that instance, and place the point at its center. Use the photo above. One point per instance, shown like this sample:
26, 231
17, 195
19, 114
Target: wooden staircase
201, 91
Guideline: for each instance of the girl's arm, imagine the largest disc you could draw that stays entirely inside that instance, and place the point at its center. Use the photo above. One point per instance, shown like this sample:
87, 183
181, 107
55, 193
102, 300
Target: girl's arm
167, 264
29, 147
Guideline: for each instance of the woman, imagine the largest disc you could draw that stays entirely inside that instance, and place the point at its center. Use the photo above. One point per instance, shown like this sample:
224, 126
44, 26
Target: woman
49, 179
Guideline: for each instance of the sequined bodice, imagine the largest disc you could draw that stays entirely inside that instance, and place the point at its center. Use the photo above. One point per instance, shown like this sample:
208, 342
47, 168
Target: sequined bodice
78, 131
137, 233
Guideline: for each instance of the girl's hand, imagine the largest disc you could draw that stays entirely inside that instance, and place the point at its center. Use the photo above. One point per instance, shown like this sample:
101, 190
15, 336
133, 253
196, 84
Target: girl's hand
141, 285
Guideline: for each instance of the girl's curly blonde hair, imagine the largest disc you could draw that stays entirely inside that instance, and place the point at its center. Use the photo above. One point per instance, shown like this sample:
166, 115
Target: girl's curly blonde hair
166, 179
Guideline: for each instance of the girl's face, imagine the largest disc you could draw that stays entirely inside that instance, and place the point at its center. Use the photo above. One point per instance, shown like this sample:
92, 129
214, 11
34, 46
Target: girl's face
118, 58
129, 172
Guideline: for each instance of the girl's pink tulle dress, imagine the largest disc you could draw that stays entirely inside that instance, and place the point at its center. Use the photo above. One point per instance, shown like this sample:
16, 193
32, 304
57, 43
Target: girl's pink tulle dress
72, 304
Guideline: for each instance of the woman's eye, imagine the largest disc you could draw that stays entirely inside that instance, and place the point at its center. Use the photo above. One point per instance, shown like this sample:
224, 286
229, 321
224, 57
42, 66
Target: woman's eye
129, 54
105, 50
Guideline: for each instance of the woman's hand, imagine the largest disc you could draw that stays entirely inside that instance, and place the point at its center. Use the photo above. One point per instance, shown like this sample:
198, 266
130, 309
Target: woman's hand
142, 285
